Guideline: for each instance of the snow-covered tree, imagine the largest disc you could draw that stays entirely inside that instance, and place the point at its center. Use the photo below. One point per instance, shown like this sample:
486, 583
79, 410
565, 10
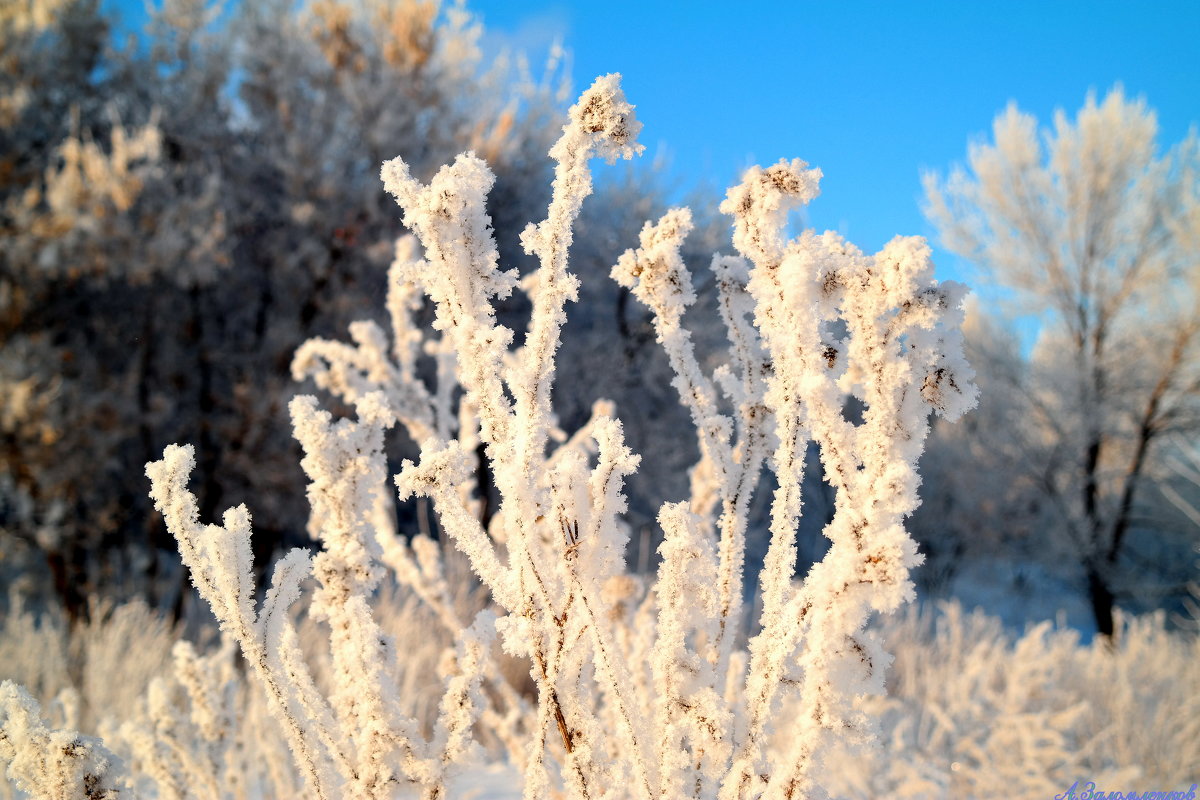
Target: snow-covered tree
179, 213
1097, 234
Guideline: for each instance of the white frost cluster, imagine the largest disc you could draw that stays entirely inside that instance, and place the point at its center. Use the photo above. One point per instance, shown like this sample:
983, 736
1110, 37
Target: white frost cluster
828, 323
641, 689
59, 764
356, 741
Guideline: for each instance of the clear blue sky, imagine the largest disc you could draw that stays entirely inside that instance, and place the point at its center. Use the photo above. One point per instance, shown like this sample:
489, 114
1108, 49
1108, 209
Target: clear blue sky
871, 92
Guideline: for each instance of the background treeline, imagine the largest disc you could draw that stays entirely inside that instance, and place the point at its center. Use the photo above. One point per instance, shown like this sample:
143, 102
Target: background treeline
181, 209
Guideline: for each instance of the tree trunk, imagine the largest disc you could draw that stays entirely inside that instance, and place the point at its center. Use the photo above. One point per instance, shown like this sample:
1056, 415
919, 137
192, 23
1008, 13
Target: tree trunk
1102, 602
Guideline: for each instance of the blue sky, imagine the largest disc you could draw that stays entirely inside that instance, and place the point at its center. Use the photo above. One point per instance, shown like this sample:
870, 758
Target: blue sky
871, 92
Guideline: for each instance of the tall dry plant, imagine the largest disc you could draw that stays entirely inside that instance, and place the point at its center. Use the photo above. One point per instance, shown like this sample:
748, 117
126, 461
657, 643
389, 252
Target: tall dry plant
641, 691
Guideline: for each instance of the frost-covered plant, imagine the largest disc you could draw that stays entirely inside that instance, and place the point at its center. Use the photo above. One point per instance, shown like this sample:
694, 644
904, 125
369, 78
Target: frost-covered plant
640, 692
53, 764
46, 655
185, 718
971, 706
968, 703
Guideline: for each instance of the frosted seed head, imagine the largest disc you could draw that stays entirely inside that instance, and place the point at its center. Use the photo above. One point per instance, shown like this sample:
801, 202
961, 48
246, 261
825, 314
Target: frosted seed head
785, 185
176, 466
760, 203
445, 465
373, 408
655, 271
671, 230
397, 178
603, 113
904, 265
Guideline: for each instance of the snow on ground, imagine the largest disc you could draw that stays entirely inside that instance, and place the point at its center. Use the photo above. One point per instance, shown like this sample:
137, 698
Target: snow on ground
1021, 593
493, 782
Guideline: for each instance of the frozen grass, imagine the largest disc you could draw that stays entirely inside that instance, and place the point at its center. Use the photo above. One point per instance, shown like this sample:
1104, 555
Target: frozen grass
971, 708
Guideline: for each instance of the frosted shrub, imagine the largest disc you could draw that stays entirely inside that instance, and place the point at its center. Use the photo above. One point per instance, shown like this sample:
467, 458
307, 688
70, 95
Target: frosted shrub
46, 655
971, 707
640, 690
186, 720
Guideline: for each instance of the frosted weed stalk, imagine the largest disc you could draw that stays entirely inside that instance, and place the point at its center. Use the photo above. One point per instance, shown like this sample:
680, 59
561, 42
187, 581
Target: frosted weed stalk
639, 692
